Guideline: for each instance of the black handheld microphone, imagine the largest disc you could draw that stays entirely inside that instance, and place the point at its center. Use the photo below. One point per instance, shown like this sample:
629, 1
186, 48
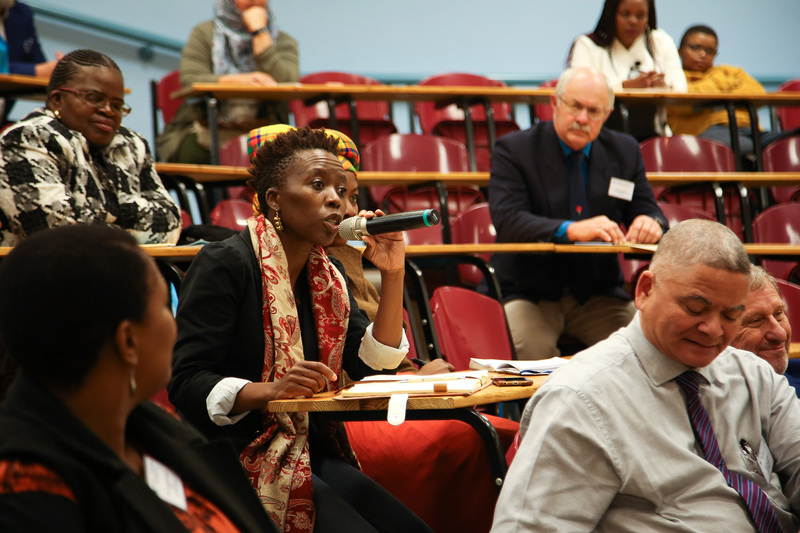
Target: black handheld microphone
354, 228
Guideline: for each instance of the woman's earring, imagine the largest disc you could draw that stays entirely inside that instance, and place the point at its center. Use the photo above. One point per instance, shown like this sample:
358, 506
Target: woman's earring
277, 220
57, 113
133, 382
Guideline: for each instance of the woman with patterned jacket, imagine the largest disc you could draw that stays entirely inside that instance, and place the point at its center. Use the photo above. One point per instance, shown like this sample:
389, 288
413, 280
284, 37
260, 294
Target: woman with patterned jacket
73, 161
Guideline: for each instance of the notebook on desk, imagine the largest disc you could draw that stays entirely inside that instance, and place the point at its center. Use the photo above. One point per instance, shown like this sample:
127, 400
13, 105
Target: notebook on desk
542, 366
449, 384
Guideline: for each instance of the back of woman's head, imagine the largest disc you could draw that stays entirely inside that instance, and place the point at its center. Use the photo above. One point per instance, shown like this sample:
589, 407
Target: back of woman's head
64, 293
273, 159
69, 65
606, 29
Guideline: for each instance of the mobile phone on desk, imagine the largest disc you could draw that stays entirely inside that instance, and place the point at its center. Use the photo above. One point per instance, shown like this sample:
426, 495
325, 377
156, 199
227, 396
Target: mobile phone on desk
511, 382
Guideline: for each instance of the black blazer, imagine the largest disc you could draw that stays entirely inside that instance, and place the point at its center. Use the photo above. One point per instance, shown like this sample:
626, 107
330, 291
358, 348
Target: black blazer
221, 334
36, 426
529, 200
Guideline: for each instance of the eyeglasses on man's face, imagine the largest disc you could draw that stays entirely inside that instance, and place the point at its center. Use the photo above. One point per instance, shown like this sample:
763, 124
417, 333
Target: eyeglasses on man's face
697, 48
576, 108
99, 100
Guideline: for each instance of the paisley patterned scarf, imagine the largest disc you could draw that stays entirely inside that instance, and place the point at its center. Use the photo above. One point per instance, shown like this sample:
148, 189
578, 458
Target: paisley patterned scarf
277, 461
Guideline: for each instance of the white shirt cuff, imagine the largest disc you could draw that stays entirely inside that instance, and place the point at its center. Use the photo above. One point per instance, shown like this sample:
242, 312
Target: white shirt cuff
219, 401
379, 356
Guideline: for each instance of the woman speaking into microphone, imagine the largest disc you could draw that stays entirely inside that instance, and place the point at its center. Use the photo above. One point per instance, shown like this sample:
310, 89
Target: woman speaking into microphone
266, 315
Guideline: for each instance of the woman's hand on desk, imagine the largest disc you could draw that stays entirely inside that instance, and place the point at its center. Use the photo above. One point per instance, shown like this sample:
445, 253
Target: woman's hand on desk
437, 366
304, 379
261, 79
645, 80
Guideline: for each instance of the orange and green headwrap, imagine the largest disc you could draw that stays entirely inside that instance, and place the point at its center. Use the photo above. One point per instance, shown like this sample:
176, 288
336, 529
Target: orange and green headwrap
347, 151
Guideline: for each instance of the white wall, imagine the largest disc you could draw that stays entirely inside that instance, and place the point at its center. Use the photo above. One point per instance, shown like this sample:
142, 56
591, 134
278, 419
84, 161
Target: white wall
507, 39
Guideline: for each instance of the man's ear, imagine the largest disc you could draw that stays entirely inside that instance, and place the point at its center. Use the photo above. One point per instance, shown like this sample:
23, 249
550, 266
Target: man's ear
126, 342
644, 288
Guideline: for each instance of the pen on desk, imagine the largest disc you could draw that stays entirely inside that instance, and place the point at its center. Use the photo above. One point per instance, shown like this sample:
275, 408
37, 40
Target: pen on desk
418, 362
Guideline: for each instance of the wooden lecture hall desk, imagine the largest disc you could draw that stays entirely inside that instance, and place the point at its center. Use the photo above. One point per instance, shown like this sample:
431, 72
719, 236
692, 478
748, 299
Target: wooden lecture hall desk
156, 251
219, 174
20, 86
464, 97
422, 408
27, 87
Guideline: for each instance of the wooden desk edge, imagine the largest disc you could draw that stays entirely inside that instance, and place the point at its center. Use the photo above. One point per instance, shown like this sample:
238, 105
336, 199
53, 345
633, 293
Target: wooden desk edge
222, 173
326, 403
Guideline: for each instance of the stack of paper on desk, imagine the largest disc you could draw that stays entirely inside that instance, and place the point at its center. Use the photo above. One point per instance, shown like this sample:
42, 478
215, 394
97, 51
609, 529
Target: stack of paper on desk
450, 384
542, 366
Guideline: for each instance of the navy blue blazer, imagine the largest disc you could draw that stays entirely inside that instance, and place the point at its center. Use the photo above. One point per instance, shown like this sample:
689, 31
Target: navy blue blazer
529, 200
24, 50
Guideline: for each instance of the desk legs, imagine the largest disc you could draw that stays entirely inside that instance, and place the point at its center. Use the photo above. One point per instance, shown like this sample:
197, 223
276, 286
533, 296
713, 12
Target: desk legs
212, 105
478, 422
734, 130
490, 124
469, 128
491, 441
355, 135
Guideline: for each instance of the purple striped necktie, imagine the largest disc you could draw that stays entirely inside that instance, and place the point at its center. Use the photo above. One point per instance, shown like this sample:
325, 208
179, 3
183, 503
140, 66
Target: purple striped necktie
758, 503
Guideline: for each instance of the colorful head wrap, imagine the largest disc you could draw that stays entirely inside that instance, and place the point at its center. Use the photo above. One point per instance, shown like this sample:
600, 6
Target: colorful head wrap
347, 151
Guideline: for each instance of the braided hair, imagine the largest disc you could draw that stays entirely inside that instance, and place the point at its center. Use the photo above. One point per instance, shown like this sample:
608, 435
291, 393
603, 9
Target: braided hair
68, 67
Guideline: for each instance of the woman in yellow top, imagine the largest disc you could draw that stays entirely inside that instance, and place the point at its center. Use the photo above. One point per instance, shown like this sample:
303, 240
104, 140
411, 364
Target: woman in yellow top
697, 50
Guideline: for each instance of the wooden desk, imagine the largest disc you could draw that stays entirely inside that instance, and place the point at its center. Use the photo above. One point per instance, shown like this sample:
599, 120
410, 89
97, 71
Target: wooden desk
464, 97
427, 408
448, 94
157, 251
219, 174
165, 251
422, 250
205, 174
19, 86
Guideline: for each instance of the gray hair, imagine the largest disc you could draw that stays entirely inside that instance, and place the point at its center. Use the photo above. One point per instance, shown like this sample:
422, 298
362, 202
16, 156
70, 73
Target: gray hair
759, 278
699, 242
571, 72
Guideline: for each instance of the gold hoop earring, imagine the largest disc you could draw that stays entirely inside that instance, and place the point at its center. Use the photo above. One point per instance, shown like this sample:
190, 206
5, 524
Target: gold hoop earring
277, 220
57, 113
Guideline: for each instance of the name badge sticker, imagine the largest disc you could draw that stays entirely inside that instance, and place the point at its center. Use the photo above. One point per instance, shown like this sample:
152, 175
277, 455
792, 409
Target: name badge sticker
765, 460
622, 189
165, 483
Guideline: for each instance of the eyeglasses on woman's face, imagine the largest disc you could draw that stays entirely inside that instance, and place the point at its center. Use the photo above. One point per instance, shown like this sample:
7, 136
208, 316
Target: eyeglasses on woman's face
697, 48
99, 100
